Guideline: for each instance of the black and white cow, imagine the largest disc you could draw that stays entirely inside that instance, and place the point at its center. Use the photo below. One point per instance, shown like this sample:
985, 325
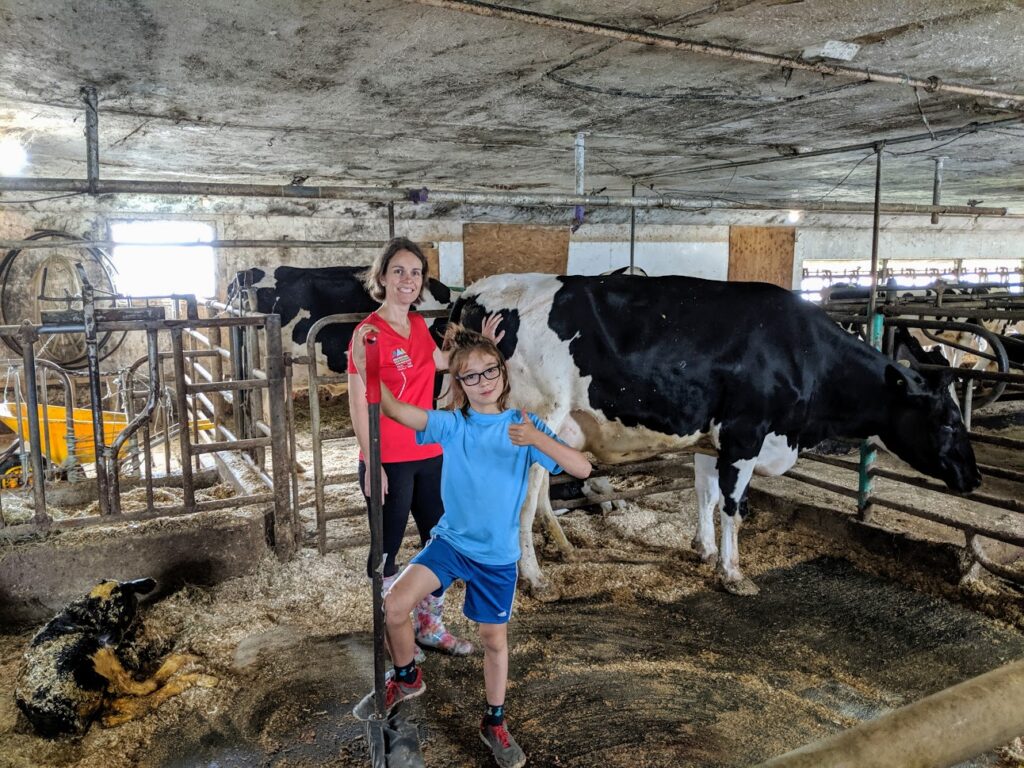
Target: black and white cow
635, 366
303, 295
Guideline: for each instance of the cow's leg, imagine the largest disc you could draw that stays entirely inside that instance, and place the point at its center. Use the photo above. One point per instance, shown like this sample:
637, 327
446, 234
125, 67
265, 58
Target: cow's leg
529, 567
602, 486
547, 514
733, 478
124, 708
120, 680
705, 473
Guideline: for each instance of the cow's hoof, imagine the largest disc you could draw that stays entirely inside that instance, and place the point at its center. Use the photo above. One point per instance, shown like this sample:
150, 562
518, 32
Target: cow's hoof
709, 556
206, 681
742, 586
559, 555
544, 592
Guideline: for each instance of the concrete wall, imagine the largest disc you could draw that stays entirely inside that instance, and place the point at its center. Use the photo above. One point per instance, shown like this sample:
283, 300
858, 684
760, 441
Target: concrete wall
698, 246
917, 243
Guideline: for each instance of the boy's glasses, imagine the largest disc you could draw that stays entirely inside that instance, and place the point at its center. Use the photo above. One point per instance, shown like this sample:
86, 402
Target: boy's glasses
472, 379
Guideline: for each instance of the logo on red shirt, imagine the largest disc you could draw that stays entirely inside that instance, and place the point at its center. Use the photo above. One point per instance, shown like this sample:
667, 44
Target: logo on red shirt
401, 359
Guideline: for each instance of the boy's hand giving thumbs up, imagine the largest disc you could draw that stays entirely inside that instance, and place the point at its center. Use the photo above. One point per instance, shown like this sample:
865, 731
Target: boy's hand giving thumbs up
525, 433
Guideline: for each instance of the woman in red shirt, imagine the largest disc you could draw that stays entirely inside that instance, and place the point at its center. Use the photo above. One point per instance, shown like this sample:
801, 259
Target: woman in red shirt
410, 473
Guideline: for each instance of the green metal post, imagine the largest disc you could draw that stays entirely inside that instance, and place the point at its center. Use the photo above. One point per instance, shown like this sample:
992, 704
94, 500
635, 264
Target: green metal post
868, 454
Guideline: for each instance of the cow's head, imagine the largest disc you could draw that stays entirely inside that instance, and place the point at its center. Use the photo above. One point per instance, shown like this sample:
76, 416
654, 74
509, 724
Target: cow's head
244, 279
925, 429
112, 607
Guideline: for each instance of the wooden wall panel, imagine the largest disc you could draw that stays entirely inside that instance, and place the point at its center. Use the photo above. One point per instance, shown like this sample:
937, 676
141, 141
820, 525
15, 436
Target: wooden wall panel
762, 254
433, 259
494, 249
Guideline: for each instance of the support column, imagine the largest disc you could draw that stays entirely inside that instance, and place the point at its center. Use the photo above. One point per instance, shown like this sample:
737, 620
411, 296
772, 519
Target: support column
92, 138
868, 454
28, 337
937, 186
577, 217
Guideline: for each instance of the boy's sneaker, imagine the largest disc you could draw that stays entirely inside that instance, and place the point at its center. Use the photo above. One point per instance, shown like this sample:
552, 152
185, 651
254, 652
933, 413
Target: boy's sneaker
395, 692
507, 754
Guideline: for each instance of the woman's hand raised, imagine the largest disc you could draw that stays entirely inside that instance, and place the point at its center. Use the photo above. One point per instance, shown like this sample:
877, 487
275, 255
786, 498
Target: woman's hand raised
489, 330
359, 345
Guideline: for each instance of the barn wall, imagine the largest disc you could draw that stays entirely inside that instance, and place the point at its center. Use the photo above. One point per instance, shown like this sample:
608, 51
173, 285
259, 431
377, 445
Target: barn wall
699, 249
709, 260
762, 254
490, 249
917, 243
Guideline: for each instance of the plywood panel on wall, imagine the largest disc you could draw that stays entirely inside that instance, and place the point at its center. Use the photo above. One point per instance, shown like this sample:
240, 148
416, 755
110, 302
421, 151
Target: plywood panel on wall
494, 249
433, 259
762, 254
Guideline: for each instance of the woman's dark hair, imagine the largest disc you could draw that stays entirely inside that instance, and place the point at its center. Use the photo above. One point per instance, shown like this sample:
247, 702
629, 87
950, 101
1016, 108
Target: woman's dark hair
460, 342
373, 278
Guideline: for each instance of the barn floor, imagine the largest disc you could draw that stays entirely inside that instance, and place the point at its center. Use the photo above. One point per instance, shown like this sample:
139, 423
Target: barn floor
709, 680
643, 661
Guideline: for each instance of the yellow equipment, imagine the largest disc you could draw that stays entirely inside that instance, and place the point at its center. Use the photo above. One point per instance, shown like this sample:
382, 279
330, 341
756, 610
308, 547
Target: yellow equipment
53, 420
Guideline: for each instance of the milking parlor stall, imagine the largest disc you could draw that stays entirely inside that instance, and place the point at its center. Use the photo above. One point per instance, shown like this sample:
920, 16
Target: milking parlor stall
788, 340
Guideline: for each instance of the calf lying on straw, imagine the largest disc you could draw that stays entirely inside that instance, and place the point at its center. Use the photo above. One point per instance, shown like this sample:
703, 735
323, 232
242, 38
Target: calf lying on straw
90, 658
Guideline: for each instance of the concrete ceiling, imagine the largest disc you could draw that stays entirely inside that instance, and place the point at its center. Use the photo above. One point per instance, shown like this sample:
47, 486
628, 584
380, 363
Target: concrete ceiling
393, 92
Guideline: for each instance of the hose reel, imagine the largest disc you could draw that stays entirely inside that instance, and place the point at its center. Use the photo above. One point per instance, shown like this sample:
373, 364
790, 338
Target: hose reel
33, 281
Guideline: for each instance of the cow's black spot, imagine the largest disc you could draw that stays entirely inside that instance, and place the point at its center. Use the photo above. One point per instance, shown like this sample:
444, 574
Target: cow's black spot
469, 313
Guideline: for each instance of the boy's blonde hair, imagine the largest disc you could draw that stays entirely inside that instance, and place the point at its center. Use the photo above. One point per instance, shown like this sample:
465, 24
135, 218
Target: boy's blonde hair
460, 342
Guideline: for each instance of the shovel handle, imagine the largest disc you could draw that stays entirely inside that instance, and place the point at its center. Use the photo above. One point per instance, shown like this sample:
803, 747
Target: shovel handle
372, 369
373, 470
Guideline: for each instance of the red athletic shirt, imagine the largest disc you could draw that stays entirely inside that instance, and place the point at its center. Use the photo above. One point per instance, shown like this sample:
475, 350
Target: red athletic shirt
407, 368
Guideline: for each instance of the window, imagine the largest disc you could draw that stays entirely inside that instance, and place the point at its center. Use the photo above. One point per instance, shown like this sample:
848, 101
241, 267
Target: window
159, 270
819, 274
910, 273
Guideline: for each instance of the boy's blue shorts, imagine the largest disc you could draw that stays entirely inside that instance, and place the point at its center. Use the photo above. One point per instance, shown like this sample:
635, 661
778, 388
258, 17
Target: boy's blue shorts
490, 589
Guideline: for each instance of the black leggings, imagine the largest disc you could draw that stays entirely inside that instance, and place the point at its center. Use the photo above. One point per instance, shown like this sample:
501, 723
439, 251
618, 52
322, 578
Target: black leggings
412, 486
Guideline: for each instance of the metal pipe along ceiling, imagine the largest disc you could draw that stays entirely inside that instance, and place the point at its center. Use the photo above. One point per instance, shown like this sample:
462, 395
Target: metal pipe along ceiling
963, 130
391, 194
930, 84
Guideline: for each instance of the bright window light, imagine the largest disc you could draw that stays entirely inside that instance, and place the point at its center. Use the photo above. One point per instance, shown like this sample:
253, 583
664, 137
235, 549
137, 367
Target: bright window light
159, 270
794, 216
13, 157
912, 273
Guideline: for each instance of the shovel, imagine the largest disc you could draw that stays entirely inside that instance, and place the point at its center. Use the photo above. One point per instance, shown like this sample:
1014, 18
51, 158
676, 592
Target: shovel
393, 741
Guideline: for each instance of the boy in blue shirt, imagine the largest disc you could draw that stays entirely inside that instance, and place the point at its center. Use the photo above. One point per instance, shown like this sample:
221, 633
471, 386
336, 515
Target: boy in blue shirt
488, 452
